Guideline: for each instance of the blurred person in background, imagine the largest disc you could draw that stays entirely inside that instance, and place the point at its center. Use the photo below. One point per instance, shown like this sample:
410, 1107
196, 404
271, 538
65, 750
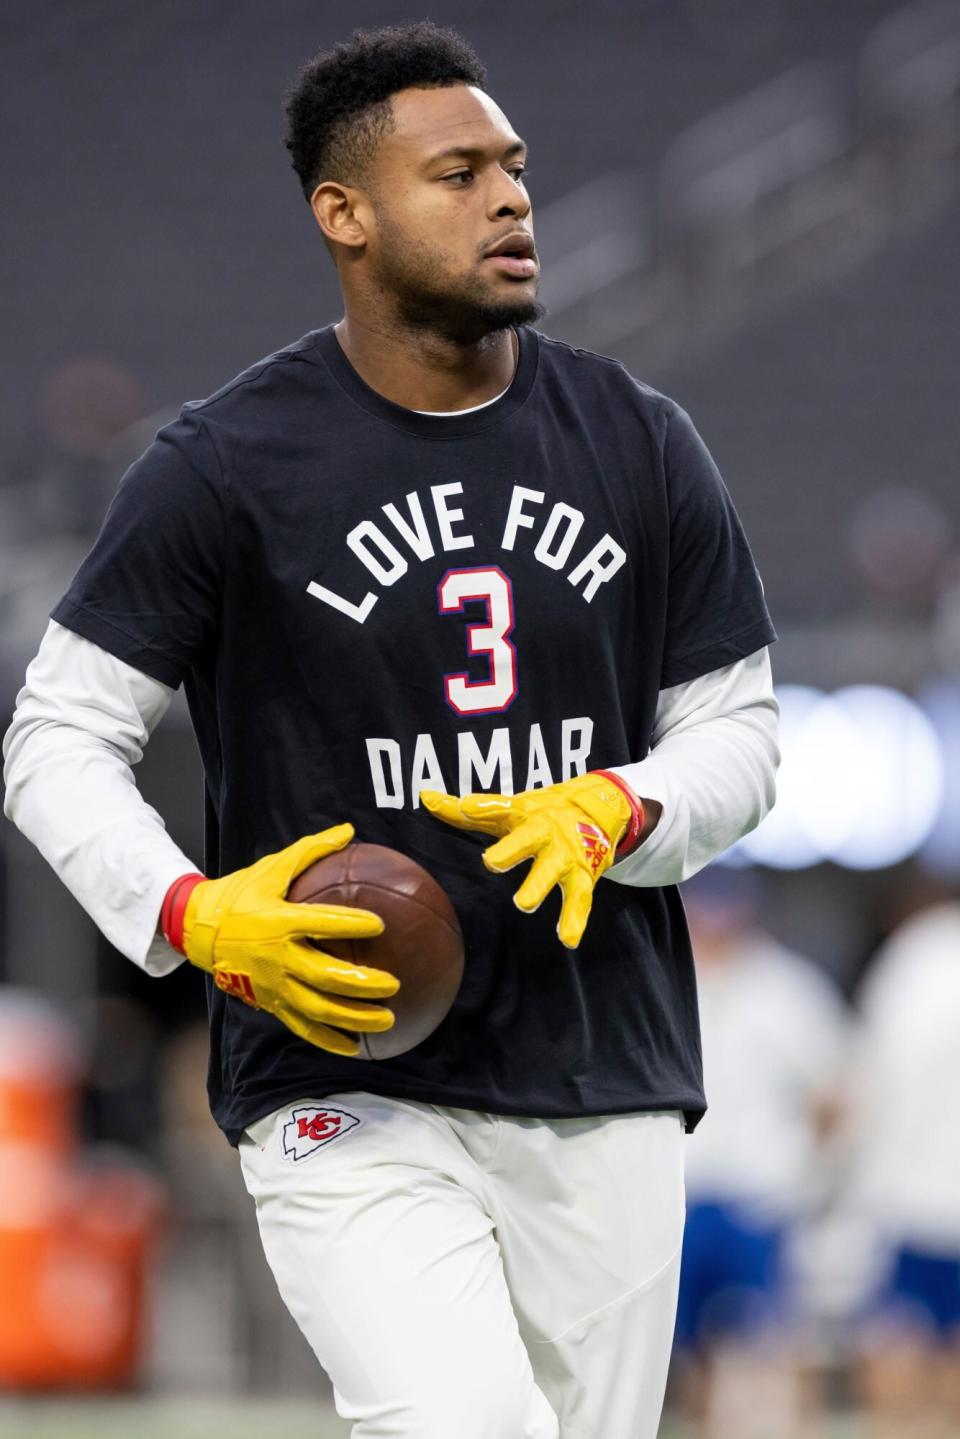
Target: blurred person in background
55, 490
773, 1030
65, 473
904, 1181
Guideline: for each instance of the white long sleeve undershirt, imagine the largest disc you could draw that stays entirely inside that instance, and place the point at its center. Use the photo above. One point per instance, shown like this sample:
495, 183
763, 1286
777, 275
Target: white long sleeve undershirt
83, 718
712, 765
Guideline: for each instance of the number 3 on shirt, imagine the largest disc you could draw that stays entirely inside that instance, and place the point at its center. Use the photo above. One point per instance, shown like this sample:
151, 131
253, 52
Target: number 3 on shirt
489, 584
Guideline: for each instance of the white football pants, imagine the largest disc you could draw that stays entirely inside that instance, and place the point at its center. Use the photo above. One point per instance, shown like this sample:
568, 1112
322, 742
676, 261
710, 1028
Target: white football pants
465, 1276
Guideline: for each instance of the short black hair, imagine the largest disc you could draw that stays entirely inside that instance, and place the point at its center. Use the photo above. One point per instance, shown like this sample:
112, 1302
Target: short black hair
339, 106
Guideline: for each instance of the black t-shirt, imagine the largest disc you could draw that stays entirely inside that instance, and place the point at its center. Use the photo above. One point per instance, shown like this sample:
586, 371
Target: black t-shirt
363, 601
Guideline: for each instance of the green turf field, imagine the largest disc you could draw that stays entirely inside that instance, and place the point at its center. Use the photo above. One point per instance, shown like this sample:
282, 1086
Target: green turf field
198, 1418
154, 1418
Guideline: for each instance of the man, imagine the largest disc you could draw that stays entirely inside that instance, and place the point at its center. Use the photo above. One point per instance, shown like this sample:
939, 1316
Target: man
428, 550
903, 1175
774, 1031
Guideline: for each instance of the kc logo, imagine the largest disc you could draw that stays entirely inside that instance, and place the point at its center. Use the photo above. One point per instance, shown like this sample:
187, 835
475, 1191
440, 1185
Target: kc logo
595, 843
239, 985
308, 1129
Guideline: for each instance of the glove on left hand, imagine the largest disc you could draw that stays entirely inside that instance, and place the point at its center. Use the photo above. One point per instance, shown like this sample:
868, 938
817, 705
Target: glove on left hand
570, 830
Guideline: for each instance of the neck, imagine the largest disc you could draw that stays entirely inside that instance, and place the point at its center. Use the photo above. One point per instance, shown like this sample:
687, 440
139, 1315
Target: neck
423, 371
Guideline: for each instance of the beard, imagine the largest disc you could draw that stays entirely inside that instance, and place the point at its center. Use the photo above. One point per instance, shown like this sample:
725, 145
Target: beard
458, 308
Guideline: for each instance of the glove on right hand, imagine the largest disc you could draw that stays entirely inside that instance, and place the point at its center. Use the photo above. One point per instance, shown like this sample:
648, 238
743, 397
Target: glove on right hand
243, 931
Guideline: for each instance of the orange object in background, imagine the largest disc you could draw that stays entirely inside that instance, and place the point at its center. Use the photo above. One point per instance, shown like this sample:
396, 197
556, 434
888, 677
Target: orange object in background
76, 1231
40, 1072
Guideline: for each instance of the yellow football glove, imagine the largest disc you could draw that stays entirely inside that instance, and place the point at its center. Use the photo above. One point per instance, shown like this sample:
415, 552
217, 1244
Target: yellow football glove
243, 931
571, 832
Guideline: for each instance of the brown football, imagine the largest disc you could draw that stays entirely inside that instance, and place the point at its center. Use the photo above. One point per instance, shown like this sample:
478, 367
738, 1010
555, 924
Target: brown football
421, 943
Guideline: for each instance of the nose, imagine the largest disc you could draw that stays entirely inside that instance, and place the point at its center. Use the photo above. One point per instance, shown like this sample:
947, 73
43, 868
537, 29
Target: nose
508, 198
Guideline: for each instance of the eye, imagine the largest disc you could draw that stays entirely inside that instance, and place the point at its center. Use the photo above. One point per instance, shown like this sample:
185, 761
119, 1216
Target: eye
518, 173
459, 178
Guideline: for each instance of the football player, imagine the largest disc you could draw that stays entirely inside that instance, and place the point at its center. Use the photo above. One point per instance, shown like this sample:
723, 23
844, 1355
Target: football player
434, 579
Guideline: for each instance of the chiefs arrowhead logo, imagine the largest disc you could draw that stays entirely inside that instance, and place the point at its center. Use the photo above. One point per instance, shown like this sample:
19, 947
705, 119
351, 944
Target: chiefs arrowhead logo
595, 843
309, 1128
239, 985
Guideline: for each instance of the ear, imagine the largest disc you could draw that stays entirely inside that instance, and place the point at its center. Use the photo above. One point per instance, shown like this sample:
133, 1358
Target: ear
335, 209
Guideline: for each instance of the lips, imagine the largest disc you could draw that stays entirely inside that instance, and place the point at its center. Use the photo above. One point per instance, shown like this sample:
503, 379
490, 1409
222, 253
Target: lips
514, 255
518, 245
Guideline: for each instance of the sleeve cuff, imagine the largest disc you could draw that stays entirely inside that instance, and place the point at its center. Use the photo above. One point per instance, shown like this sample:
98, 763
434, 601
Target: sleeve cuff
649, 781
631, 835
144, 944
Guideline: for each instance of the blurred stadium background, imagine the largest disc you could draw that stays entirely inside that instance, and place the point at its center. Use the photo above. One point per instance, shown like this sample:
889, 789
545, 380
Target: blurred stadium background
754, 204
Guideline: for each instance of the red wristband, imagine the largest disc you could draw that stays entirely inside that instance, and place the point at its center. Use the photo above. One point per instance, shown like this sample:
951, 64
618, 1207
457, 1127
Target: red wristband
174, 904
635, 827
